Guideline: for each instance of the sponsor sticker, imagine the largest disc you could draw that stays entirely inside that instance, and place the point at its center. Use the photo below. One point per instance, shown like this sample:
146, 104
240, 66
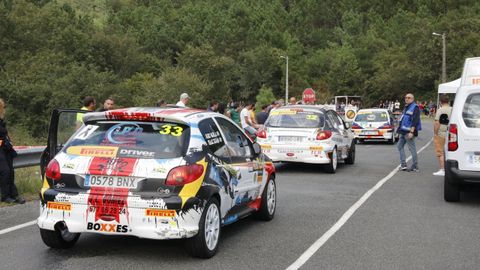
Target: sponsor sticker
316, 148
105, 227
160, 213
86, 132
62, 206
123, 133
93, 151
136, 153
282, 112
171, 130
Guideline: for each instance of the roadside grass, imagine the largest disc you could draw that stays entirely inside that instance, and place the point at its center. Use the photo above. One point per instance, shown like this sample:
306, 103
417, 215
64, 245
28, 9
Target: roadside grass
28, 182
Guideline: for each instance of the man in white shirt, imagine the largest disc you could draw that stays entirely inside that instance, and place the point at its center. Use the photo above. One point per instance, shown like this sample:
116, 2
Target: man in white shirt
184, 98
245, 119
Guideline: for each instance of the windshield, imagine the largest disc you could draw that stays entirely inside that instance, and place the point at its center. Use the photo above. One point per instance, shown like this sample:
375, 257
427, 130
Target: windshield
295, 119
129, 139
369, 116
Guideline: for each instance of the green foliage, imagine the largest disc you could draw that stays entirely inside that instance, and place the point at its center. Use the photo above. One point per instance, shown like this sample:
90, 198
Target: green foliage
264, 97
53, 53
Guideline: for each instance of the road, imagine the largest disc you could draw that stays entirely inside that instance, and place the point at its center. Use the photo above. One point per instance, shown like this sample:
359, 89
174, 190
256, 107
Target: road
405, 224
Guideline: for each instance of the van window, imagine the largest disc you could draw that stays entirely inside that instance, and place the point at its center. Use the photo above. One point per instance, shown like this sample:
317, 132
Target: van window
471, 111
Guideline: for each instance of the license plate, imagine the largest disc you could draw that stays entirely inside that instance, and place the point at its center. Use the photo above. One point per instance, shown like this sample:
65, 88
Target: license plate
370, 132
289, 139
474, 160
284, 151
110, 181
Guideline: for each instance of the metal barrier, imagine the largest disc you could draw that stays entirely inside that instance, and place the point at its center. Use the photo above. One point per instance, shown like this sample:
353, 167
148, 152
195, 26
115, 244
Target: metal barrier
28, 157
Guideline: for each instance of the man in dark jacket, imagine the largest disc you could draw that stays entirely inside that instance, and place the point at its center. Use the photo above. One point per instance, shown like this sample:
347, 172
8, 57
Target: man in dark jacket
7, 153
408, 130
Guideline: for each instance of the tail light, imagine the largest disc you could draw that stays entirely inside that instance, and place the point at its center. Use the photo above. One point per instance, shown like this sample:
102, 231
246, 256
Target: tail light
182, 175
53, 170
452, 137
386, 126
323, 135
262, 134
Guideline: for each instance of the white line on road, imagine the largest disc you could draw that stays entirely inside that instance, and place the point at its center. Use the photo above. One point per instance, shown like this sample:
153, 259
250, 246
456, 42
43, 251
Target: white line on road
346, 216
18, 227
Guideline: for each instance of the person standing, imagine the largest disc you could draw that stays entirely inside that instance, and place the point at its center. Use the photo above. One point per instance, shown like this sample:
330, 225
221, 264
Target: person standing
108, 104
245, 119
262, 115
88, 105
184, 99
396, 106
440, 132
7, 154
234, 113
408, 129
213, 106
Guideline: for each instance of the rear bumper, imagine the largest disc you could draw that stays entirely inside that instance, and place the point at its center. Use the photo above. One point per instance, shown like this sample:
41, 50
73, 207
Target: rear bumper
293, 153
385, 136
151, 219
458, 177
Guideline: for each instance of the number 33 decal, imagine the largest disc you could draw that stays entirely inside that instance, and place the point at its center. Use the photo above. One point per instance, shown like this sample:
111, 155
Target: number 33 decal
172, 130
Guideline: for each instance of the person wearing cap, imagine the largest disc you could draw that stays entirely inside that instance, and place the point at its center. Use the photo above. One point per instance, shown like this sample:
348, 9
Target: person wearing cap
184, 98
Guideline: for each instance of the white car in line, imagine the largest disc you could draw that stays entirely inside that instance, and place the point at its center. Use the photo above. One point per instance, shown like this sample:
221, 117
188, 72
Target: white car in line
307, 134
374, 124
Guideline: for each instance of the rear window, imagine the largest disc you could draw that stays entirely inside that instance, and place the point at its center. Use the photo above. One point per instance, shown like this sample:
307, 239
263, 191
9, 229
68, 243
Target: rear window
129, 139
471, 111
295, 119
371, 116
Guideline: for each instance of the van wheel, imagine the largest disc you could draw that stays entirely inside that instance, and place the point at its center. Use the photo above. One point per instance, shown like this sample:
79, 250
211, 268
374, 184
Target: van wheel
451, 192
332, 166
269, 202
351, 155
205, 243
60, 238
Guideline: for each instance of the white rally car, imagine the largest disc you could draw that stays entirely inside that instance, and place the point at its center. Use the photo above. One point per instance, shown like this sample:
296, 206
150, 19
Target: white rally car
307, 134
374, 124
157, 173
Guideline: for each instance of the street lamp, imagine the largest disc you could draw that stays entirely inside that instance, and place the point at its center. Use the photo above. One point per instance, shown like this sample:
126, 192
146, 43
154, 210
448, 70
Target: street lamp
286, 77
444, 57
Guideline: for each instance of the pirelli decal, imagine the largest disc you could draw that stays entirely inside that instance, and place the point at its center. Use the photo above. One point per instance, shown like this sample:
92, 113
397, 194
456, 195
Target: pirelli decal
93, 151
160, 213
62, 206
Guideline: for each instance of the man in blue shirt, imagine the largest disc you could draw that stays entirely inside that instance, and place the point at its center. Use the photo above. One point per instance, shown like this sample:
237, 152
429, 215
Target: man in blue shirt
408, 130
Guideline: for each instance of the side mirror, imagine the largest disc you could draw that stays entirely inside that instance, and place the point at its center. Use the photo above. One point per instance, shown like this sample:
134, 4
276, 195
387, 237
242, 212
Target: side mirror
257, 149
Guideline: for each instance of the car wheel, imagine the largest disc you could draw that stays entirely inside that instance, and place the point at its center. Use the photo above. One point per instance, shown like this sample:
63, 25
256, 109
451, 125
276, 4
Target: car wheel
359, 141
269, 202
392, 140
451, 192
60, 238
205, 243
351, 155
332, 166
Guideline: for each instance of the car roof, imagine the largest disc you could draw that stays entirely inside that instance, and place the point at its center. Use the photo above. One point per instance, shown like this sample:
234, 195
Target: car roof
174, 114
304, 107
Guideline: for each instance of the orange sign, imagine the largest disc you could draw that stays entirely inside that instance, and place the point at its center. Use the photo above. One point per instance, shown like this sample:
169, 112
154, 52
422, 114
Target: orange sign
59, 206
160, 213
93, 151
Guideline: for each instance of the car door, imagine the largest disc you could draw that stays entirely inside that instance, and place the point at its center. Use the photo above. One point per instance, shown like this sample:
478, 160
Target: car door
340, 135
243, 161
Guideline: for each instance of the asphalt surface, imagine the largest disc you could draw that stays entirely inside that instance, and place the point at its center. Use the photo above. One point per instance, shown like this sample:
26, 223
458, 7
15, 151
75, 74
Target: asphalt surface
405, 224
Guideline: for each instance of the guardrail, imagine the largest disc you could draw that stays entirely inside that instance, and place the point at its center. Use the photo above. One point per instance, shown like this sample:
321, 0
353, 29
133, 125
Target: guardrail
28, 157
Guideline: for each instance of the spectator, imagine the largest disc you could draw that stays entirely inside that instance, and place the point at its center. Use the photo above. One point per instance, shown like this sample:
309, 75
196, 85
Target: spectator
396, 106
184, 98
292, 101
262, 116
408, 129
440, 132
253, 119
108, 104
161, 103
7, 154
213, 106
245, 120
88, 105
234, 113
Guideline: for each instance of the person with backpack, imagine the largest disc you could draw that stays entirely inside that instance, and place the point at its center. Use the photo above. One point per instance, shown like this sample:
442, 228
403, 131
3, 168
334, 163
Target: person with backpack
408, 129
442, 118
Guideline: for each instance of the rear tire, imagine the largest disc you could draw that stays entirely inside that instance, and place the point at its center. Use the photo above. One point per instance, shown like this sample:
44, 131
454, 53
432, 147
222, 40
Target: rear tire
392, 140
351, 155
205, 243
60, 238
269, 202
451, 192
332, 166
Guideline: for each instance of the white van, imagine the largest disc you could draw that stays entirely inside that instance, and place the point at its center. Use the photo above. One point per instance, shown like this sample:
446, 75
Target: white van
462, 147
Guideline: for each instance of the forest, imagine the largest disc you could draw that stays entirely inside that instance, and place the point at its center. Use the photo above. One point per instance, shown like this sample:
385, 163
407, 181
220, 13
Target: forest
55, 52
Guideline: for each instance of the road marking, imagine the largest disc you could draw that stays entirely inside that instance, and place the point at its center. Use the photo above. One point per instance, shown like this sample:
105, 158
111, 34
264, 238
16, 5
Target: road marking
18, 227
346, 216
